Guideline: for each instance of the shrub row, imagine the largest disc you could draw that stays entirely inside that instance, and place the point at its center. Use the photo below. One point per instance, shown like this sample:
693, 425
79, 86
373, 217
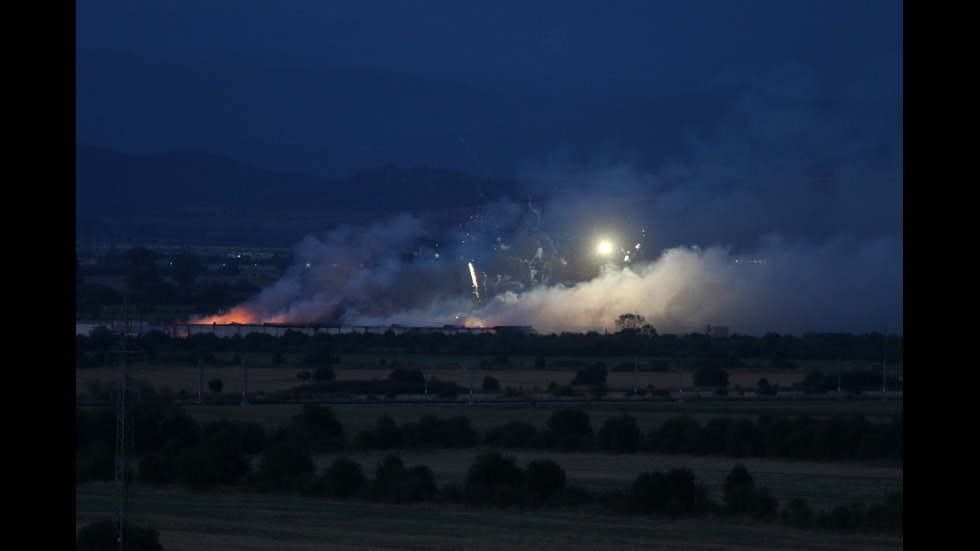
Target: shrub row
200, 457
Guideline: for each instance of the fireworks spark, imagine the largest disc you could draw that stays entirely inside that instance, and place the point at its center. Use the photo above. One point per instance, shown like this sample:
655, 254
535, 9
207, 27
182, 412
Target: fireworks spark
476, 285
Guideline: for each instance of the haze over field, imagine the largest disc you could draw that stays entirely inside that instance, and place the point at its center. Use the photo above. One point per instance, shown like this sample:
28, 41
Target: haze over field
743, 160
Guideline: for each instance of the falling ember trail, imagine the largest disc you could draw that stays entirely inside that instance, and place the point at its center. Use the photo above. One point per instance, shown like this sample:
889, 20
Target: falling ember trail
476, 287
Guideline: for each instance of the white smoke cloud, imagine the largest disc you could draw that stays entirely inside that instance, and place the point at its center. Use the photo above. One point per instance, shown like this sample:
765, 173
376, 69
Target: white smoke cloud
782, 219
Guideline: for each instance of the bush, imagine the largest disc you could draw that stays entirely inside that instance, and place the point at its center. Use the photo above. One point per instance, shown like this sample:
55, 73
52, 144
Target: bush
385, 436
512, 434
739, 490
320, 426
197, 469
681, 434
711, 376
620, 434
395, 483
343, 478
569, 429
765, 389
324, 374
101, 536
283, 460
544, 478
490, 384
494, 479
592, 375
672, 494
797, 514
455, 432
156, 468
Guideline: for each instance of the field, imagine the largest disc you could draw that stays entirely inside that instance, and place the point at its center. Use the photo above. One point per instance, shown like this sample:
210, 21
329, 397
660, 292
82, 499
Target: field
198, 521
252, 522
257, 380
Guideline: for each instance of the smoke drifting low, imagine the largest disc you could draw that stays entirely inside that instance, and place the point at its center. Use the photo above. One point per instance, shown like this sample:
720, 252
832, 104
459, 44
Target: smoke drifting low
764, 227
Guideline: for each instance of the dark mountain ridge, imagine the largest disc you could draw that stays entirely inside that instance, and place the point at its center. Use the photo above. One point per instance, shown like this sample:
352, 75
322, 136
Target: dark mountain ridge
332, 120
190, 195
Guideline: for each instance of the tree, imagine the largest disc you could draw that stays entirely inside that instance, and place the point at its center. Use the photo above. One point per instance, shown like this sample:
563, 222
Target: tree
592, 375
544, 478
739, 491
633, 322
283, 461
766, 389
142, 269
185, 268
324, 374
320, 426
620, 434
569, 429
490, 384
343, 478
385, 436
673, 494
393, 482
711, 376
494, 479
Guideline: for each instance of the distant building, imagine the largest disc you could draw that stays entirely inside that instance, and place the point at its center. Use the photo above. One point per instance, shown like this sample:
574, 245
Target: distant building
717, 331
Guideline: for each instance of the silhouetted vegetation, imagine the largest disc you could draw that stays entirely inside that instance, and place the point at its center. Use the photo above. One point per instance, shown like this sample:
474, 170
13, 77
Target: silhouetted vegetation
101, 536
176, 450
324, 352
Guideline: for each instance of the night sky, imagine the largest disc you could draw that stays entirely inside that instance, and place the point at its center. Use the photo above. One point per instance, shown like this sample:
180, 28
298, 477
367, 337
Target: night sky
753, 149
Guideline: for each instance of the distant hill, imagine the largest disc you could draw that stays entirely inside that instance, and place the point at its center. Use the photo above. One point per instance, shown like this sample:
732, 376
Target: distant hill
183, 195
108, 182
331, 120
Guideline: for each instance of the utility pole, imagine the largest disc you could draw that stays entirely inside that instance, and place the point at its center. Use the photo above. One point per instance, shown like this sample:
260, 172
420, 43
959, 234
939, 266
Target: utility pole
884, 370
469, 375
124, 431
244, 384
838, 375
636, 367
680, 381
200, 380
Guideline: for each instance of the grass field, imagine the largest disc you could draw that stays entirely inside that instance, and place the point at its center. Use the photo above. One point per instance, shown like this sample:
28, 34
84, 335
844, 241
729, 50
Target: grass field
191, 379
255, 522
245, 521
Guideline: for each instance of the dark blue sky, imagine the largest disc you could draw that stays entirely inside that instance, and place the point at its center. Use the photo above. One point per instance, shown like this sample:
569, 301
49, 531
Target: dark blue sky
715, 129
282, 83
663, 44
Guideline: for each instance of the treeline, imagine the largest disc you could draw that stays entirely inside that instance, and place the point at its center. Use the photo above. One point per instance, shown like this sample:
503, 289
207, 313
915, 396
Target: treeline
623, 349
174, 449
850, 438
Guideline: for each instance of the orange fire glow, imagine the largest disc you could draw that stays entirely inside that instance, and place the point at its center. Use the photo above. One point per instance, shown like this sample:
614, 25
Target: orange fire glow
238, 314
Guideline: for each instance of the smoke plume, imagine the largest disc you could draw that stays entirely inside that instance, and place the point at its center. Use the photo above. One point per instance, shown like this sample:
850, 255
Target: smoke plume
780, 219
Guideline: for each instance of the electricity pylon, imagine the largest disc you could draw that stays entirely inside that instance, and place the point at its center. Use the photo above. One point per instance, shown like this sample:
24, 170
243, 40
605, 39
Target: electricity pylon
125, 402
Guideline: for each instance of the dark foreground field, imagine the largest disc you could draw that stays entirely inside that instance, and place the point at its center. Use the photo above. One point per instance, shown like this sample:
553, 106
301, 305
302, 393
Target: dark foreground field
254, 522
218, 520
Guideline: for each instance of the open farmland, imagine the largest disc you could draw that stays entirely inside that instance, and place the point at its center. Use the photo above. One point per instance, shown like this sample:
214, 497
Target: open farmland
254, 522
256, 380
192, 521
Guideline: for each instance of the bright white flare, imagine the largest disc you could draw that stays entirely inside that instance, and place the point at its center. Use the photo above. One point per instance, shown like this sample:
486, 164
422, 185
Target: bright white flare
476, 286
